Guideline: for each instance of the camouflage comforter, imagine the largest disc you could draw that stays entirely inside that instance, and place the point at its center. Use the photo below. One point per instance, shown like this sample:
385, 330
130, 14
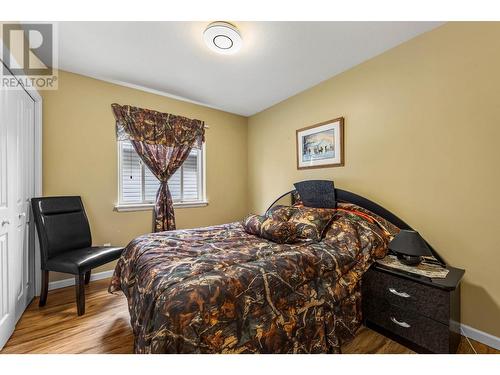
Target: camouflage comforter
221, 290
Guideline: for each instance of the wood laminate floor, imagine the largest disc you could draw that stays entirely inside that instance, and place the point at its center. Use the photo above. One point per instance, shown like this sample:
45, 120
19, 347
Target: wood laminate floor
105, 328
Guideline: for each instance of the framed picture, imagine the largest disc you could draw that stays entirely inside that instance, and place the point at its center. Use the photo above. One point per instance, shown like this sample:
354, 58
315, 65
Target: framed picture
321, 145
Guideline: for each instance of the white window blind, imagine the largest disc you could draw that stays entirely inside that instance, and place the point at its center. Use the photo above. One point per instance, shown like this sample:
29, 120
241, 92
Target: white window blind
138, 185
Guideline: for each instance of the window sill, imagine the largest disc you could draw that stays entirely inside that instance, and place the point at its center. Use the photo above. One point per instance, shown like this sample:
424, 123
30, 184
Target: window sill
150, 206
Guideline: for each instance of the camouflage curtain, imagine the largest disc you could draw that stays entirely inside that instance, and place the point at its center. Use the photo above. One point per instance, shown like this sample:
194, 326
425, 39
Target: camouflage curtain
163, 142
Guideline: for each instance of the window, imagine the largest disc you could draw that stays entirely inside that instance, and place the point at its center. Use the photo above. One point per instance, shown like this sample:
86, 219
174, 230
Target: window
138, 186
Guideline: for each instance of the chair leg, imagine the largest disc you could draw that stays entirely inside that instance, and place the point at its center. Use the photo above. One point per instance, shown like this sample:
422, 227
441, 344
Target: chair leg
87, 277
45, 288
80, 293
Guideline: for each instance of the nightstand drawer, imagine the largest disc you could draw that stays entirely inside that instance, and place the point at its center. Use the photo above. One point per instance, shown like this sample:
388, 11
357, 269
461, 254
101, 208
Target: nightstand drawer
408, 295
409, 325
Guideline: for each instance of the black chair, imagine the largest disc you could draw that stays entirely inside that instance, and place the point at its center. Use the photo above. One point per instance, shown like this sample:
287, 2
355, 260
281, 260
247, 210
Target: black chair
66, 243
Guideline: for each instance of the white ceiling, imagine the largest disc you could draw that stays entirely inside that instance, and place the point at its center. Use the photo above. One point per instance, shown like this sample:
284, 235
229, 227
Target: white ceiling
277, 60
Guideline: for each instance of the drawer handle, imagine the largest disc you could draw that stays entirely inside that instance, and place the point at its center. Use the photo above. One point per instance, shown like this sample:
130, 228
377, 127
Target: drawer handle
399, 294
402, 324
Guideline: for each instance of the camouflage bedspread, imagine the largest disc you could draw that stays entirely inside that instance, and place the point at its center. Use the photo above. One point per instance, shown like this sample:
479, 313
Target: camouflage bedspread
221, 290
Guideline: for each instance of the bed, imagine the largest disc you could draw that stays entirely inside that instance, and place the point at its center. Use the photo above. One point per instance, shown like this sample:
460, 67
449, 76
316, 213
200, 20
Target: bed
222, 290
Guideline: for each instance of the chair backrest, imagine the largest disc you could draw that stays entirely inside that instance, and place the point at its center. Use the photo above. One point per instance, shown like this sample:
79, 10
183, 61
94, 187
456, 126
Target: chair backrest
62, 225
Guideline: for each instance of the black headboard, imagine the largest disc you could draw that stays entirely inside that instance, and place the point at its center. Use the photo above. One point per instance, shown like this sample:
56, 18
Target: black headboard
348, 197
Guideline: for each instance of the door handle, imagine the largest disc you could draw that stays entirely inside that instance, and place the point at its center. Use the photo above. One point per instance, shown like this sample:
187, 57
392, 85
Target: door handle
399, 294
401, 324
5, 222
22, 214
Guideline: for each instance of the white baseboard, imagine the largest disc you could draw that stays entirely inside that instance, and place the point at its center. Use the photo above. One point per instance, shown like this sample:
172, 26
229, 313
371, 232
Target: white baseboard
481, 336
71, 281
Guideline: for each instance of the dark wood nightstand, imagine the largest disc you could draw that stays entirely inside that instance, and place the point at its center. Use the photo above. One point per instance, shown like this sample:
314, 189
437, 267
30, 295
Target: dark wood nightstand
422, 314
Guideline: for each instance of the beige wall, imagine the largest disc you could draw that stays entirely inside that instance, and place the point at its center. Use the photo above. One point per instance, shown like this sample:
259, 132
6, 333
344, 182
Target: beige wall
80, 157
422, 130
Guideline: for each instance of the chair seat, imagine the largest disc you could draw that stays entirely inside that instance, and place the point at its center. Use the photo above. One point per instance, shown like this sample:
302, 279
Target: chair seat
82, 260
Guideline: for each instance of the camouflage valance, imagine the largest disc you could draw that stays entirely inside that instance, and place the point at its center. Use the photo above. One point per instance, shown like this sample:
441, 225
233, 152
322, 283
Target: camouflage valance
153, 127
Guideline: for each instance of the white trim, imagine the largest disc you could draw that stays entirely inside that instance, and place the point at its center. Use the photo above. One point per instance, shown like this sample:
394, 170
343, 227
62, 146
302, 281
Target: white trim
71, 281
127, 207
150, 206
483, 337
204, 173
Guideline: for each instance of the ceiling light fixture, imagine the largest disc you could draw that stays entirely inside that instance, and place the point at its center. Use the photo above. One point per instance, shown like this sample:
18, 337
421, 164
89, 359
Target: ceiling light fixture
222, 37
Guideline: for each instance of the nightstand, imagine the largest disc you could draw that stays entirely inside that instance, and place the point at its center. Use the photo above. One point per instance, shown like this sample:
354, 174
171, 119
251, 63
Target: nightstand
420, 313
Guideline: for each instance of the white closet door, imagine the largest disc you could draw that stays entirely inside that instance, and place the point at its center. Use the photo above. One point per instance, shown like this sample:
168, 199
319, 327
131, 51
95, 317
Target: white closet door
7, 318
24, 191
16, 187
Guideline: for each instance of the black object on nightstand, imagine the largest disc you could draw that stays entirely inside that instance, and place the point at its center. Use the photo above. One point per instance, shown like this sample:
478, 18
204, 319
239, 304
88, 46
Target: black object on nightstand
421, 313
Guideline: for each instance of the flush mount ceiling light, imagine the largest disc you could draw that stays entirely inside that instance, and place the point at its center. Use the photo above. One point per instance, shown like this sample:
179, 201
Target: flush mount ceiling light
222, 37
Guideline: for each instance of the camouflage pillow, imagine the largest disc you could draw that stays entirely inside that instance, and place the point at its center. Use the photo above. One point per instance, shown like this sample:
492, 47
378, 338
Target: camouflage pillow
386, 226
253, 224
356, 236
280, 213
270, 229
279, 231
311, 222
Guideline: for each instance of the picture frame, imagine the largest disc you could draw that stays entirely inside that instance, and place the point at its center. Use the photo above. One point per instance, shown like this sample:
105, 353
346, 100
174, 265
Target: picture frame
321, 145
